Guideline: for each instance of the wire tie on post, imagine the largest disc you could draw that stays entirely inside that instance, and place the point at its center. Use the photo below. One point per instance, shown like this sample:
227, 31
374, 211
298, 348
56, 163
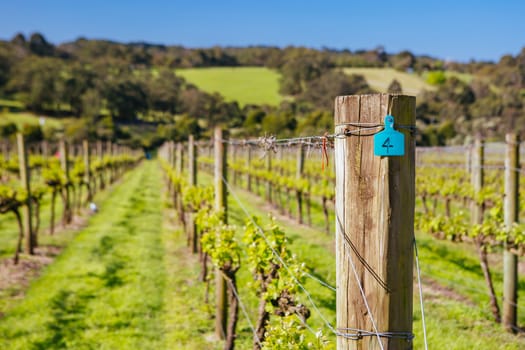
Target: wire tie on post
324, 152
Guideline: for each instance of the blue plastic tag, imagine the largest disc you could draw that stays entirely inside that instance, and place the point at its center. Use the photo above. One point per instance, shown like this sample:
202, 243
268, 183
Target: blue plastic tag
389, 142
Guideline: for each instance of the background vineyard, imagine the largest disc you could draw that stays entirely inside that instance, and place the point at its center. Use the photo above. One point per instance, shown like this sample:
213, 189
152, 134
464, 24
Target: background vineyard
450, 271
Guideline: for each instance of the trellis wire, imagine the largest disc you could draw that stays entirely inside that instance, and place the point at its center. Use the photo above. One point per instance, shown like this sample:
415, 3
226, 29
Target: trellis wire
244, 311
421, 296
261, 232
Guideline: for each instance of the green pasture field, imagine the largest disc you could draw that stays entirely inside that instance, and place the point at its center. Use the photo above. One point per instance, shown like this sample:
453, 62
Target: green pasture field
31, 119
380, 78
246, 85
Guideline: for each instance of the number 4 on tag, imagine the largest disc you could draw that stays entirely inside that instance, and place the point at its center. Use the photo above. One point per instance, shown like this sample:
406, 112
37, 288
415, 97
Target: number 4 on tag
389, 142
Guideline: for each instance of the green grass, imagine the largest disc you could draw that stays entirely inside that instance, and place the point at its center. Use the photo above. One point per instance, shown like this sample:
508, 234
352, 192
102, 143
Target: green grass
456, 301
246, 85
128, 281
31, 119
11, 104
106, 290
380, 78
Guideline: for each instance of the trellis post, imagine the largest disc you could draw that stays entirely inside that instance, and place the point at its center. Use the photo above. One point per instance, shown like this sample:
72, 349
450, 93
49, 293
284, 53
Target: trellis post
221, 205
375, 198
192, 181
511, 211
30, 240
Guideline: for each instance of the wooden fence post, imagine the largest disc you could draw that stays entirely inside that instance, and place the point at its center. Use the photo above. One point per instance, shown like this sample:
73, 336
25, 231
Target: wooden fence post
29, 237
248, 168
511, 211
375, 199
268, 186
87, 165
5, 148
179, 166
477, 177
221, 205
477, 212
100, 152
192, 181
180, 158
234, 151
299, 176
64, 163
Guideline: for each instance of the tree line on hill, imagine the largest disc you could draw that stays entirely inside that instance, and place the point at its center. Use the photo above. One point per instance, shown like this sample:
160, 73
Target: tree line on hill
107, 85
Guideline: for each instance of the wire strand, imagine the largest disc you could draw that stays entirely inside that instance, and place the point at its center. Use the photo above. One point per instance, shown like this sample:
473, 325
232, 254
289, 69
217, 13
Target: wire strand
354, 269
244, 311
321, 282
421, 296
261, 232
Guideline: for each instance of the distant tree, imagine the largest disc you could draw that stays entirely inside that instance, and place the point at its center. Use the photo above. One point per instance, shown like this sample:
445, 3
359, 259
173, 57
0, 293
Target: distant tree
8, 129
19, 39
126, 99
278, 124
105, 128
91, 101
321, 92
395, 87
316, 123
39, 45
35, 81
301, 67
32, 133
72, 84
164, 91
252, 123
403, 61
5, 66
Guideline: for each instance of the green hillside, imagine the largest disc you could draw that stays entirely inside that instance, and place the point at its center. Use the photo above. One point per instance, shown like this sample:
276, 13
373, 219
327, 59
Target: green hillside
246, 85
31, 119
259, 85
380, 78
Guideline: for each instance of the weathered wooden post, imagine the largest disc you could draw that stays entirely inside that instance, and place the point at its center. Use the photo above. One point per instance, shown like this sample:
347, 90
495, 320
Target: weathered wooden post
268, 186
170, 158
477, 177
192, 181
67, 216
179, 166
248, 168
180, 159
375, 198
477, 210
511, 211
299, 176
221, 205
234, 165
30, 241
87, 164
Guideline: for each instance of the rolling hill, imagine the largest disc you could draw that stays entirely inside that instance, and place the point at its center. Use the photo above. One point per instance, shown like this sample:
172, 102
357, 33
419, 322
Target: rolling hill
259, 85
246, 85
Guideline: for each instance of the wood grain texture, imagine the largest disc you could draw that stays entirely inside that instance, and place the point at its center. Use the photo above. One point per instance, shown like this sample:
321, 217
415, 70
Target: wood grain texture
374, 222
511, 211
221, 204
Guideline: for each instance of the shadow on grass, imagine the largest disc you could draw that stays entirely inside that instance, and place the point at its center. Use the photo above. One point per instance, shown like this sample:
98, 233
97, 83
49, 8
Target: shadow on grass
67, 311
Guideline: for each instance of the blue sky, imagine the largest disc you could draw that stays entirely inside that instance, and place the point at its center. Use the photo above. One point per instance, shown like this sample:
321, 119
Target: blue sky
455, 30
